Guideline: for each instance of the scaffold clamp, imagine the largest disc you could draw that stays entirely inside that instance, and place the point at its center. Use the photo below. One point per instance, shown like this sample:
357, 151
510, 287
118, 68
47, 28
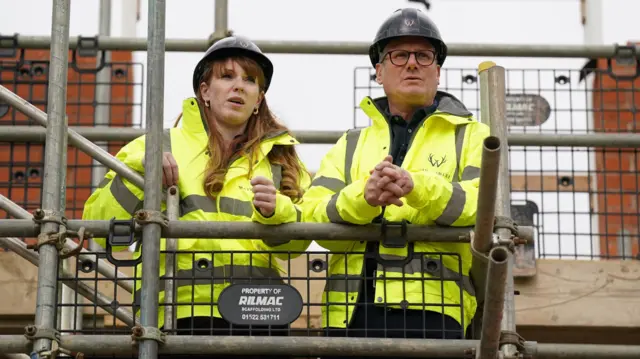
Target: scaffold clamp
144, 217
147, 333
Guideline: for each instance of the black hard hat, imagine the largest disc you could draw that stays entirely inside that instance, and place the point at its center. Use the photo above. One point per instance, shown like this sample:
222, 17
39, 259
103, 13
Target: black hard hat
407, 22
231, 46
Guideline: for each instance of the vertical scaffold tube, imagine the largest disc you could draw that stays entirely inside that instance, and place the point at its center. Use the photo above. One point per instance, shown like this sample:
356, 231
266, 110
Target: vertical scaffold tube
55, 150
153, 174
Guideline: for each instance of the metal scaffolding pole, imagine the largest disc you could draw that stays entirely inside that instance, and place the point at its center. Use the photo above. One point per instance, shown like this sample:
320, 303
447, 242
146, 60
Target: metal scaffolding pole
103, 97
151, 232
173, 212
331, 47
493, 110
45, 316
221, 21
319, 346
103, 267
608, 140
70, 281
250, 230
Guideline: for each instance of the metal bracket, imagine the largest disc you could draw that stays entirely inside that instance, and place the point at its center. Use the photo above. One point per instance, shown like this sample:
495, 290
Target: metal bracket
507, 223
393, 241
58, 238
513, 338
147, 333
113, 240
625, 55
88, 47
14, 45
144, 217
32, 332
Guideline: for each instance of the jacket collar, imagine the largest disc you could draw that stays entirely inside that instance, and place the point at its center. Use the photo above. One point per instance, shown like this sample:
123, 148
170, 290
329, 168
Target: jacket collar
193, 121
454, 110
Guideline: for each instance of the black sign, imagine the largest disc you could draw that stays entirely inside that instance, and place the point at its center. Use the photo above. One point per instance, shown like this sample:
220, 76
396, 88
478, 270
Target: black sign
260, 304
527, 110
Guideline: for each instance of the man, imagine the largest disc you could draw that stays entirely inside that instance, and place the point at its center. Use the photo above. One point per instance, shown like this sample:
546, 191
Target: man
418, 162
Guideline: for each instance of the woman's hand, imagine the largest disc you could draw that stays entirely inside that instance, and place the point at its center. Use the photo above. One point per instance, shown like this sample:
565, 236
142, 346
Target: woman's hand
264, 195
169, 170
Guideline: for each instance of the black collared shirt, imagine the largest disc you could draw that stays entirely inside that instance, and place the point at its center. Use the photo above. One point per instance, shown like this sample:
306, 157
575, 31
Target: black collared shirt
402, 133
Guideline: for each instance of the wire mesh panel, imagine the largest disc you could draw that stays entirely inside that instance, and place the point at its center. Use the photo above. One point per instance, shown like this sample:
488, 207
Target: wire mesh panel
281, 294
582, 200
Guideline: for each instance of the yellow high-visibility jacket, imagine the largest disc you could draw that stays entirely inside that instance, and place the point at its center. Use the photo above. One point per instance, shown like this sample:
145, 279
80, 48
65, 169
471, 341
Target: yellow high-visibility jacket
119, 198
444, 161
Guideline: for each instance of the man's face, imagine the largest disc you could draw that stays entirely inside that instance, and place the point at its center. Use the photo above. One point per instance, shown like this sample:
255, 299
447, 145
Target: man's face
409, 79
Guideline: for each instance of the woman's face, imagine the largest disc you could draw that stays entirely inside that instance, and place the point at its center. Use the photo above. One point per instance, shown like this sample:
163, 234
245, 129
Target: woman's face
232, 93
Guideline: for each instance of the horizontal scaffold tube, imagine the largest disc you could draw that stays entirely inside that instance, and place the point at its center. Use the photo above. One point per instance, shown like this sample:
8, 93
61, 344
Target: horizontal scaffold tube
317, 346
125, 134
248, 230
103, 267
323, 47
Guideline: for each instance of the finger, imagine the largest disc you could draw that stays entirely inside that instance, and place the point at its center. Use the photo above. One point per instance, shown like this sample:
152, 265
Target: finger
388, 158
382, 182
387, 198
174, 169
391, 172
384, 164
265, 197
166, 172
260, 180
261, 188
394, 189
264, 207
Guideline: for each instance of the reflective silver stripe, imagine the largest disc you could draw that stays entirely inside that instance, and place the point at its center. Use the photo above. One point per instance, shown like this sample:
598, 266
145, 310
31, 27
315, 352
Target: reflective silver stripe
124, 196
459, 137
470, 172
196, 202
202, 273
105, 181
352, 141
428, 265
454, 207
342, 283
329, 183
228, 205
121, 193
236, 206
276, 175
332, 210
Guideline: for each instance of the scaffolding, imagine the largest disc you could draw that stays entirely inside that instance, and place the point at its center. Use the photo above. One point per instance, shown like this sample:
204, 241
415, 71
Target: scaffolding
491, 245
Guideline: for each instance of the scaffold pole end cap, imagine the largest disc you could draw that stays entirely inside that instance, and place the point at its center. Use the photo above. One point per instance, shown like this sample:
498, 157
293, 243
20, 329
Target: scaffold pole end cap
485, 65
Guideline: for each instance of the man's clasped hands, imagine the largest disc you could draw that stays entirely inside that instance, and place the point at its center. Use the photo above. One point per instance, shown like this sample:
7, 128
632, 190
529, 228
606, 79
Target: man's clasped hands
387, 184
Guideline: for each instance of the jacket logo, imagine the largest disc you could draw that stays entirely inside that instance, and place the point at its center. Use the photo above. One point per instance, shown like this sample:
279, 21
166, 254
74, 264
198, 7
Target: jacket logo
437, 163
409, 22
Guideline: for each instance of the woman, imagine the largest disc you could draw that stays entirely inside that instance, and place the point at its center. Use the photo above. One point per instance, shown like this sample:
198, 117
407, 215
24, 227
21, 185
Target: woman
231, 161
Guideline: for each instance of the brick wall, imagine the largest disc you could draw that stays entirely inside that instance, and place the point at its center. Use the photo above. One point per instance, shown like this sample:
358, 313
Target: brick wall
616, 102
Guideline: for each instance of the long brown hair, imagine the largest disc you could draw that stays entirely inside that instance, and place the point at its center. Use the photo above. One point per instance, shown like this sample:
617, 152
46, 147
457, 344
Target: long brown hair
260, 126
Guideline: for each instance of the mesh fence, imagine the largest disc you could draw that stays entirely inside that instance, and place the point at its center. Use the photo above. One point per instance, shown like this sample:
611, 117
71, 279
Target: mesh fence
582, 200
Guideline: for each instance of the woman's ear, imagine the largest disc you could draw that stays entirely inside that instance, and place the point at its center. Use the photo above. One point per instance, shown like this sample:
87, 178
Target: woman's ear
204, 91
260, 98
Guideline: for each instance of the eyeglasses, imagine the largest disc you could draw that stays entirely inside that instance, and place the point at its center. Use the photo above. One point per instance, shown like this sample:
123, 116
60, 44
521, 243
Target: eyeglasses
401, 57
